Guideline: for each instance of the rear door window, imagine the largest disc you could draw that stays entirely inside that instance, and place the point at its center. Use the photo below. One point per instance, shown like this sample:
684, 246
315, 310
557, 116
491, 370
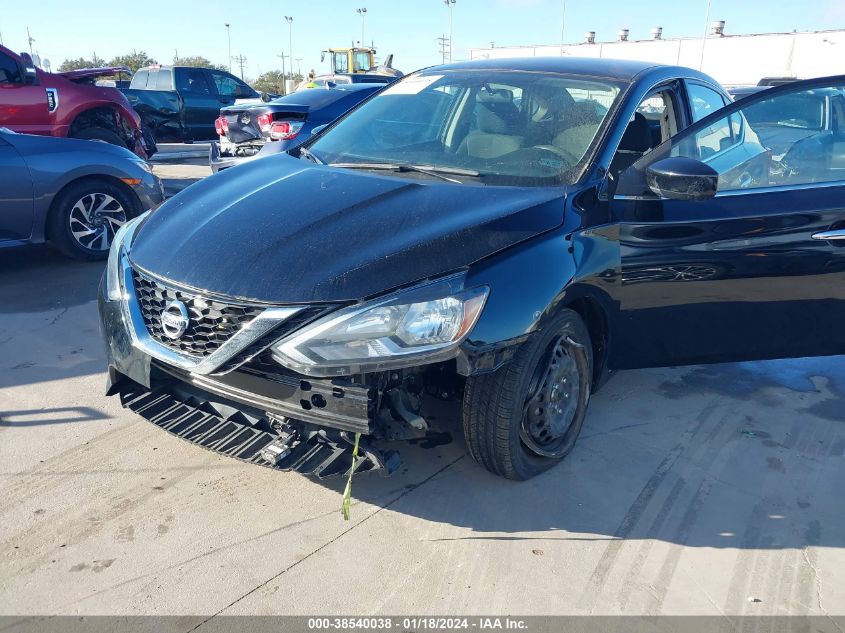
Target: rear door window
164, 79
703, 101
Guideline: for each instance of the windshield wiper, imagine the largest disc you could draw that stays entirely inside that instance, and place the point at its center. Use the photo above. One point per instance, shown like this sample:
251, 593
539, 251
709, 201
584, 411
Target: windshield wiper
307, 154
429, 170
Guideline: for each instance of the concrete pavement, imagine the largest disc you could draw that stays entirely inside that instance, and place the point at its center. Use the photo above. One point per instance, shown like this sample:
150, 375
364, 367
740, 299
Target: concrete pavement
696, 490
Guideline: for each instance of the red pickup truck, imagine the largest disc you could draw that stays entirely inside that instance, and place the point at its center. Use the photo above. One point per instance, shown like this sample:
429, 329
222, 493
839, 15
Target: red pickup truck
33, 101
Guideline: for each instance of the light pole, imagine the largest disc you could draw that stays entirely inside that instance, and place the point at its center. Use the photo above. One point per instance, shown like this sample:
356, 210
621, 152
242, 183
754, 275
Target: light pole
284, 74
704, 37
363, 13
562, 23
229, 38
451, 5
289, 20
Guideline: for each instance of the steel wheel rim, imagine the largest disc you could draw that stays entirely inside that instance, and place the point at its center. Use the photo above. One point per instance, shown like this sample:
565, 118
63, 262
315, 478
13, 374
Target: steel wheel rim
94, 219
552, 403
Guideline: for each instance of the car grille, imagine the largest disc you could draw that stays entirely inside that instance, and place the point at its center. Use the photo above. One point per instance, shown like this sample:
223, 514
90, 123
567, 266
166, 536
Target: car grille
211, 323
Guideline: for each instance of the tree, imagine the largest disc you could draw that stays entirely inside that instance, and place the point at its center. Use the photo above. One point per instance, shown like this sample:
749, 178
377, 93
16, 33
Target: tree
80, 63
272, 81
198, 61
133, 60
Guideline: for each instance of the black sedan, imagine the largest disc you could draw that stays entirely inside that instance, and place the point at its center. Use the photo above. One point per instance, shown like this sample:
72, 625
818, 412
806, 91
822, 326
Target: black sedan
74, 193
255, 131
481, 232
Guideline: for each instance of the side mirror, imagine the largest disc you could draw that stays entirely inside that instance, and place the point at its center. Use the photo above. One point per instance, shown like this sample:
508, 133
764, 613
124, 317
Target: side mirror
28, 73
322, 56
265, 97
680, 178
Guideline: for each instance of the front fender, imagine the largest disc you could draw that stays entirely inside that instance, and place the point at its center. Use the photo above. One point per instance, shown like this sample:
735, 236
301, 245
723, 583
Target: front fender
531, 282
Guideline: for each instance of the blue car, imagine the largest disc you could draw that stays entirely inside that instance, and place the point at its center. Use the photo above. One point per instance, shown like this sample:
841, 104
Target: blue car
254, 130
483, 233
73, 193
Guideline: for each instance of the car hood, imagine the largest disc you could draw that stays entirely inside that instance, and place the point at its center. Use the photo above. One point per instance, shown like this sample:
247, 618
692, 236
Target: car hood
85, 73
282, 230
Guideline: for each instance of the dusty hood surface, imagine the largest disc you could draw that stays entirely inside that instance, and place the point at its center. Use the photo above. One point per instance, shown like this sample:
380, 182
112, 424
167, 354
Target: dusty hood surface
282, 230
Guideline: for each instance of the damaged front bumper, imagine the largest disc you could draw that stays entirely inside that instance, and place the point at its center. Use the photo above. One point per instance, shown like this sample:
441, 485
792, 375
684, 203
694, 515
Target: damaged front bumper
258, 413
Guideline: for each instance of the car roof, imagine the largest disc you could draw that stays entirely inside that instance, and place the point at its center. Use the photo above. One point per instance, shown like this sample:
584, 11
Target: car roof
595, 67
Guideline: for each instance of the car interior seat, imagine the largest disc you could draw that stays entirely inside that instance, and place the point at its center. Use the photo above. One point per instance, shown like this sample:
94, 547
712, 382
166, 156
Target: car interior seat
496, 129
636, 141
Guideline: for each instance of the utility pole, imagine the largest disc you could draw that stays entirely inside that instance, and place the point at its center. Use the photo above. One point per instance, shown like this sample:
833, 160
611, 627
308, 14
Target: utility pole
31, 40
229, 37
363, 13
289, 20
443, 40
298, 67
451, 5
240, 60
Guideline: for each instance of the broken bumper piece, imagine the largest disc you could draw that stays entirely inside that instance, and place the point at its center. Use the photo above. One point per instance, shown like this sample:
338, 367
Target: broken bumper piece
269, 441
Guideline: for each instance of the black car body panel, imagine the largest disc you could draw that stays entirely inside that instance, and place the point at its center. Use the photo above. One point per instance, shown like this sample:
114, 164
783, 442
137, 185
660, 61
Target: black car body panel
364, 233
752, 270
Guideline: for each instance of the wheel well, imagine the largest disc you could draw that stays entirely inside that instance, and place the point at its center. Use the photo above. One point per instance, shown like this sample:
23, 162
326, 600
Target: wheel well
595, 319
99, 178
96, 117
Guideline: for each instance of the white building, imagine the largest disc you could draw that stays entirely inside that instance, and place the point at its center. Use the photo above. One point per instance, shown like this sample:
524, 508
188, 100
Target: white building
733, 60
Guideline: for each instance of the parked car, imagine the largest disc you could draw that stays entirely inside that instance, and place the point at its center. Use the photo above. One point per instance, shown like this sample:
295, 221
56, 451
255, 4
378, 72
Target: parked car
441, 241
740, 92
284, 122
34, 101
181, 103
73, 193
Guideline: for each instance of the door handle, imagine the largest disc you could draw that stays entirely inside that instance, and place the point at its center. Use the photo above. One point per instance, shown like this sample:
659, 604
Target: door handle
837, 234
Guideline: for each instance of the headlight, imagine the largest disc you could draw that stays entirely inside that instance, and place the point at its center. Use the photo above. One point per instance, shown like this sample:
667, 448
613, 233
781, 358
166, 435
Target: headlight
421, 325
119, 246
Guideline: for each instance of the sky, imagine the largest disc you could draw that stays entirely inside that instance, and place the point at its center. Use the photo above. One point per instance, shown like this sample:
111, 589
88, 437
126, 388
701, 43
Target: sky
407, 28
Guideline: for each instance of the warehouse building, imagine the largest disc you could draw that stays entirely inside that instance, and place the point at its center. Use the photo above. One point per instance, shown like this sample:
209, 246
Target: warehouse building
733, 60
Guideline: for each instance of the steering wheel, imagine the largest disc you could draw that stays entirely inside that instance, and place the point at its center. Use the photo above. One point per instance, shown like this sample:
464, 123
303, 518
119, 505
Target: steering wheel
570, 158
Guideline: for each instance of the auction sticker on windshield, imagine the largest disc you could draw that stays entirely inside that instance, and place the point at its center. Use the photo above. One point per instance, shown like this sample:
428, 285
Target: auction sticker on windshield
412, 85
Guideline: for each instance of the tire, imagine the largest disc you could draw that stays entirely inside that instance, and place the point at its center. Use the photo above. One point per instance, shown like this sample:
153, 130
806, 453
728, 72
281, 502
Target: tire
100, 134
85, 216
508, 437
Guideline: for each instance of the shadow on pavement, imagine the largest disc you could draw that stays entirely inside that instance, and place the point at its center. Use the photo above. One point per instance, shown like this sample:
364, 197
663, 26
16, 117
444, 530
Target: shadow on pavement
41, 417
702, 470
37, 278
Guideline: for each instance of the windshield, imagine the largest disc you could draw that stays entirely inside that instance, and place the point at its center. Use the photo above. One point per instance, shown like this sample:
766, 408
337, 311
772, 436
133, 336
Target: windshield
501, 127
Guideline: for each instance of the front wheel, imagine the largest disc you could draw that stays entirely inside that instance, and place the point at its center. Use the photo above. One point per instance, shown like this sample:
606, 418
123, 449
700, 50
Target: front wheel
525, 417
85, 216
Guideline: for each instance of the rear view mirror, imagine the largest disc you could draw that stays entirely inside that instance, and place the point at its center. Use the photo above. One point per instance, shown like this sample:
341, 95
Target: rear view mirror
680, 178
28, 73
